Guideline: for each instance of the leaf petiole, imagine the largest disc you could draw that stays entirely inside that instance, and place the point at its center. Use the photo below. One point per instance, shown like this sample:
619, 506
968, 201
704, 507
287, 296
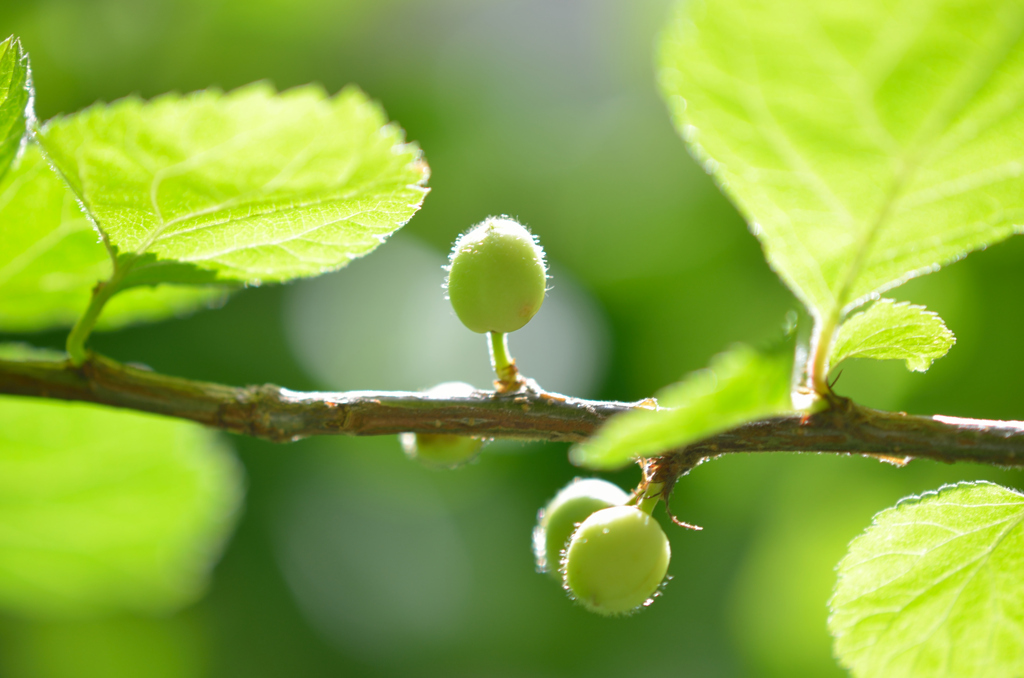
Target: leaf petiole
824, 337
101, 294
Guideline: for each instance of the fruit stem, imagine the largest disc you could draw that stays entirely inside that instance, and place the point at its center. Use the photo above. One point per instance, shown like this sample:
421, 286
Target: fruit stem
650, 498
504, 365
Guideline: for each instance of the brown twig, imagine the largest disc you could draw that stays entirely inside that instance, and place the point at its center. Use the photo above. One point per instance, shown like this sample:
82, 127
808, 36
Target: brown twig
281, 415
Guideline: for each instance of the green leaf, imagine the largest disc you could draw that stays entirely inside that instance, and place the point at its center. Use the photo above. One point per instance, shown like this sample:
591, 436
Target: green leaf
933, 588
15, 99
104, 510
893, 331
250, 186
741, 385
52, 257
865, 142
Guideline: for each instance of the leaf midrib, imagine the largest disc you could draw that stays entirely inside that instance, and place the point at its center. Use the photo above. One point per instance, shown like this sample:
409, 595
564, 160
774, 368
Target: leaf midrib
932, 129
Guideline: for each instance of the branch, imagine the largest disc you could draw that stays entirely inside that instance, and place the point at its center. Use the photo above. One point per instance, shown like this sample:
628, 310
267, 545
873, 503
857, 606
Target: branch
281, 415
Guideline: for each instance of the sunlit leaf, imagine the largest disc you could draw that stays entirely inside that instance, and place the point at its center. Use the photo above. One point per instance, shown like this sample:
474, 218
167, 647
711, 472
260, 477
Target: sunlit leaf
249, 186
741, 384
894, 331
15, 99
52, 257
933, 588
865, 142
104, 510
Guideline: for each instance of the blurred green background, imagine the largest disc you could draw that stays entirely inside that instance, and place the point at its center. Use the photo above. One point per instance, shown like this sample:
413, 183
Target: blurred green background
351, 560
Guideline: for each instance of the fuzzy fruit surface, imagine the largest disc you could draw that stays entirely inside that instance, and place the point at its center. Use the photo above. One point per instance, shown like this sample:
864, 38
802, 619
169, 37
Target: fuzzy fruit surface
497, 276
616, 560
572, 505
440, 450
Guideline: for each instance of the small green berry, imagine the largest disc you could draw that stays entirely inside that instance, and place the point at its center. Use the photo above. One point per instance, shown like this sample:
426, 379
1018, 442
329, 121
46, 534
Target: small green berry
443, 450
571, 506
440, 450
616, 560
497, 276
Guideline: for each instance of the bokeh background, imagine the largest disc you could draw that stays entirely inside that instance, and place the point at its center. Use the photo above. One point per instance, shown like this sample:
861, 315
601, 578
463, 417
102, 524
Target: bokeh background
350, 560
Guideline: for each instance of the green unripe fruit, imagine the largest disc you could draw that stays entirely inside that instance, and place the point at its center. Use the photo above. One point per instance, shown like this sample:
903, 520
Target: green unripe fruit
571, 506
440, 450
497, 276
616, 560
443, 450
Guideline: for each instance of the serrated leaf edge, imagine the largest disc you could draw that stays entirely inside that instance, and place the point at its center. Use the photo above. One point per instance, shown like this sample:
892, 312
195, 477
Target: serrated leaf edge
29, 111
912, 499
101, 109
680, 22
896, 304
